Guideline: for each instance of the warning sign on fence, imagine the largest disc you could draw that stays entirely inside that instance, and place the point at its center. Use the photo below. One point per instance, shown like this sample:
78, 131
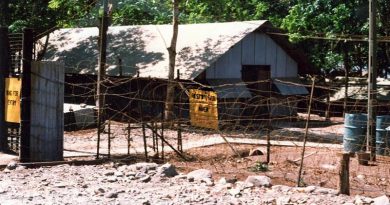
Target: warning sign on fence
203, 109
12, 99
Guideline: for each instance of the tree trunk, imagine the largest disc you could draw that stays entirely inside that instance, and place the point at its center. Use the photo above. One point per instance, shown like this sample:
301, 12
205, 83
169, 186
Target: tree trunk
347, 68
359, 59
172, 60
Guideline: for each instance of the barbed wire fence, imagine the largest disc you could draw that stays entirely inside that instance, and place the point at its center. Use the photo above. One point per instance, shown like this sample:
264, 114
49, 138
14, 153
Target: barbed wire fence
134, 125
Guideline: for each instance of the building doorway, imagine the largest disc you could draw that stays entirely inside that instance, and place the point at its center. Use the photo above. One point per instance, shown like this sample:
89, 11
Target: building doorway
257, 78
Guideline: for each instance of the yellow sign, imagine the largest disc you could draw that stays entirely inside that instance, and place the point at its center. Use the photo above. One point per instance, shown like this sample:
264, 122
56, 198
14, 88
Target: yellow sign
203, 109
12, 99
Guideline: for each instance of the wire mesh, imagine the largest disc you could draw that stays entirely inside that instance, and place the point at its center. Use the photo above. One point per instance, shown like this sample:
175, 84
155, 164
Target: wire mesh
135, 112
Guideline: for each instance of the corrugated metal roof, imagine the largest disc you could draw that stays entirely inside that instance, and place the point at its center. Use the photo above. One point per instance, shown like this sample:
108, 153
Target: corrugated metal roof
290, 86
230, 88
144, 48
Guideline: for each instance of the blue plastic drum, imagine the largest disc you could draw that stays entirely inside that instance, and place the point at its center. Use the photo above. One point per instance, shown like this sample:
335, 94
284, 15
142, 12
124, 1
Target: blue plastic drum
382, 135
355, 126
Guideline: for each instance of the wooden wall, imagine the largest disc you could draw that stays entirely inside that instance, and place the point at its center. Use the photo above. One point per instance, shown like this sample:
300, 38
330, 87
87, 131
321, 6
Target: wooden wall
255, 49
47, 121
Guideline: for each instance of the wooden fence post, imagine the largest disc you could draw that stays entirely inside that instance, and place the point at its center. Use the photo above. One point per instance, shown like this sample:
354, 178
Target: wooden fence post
269, 122
145, 143
344, 174
109, 140
152, 127
299, 180
128, 137
179, 131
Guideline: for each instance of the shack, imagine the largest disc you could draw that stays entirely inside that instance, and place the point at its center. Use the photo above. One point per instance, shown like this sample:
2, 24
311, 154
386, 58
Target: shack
238, 60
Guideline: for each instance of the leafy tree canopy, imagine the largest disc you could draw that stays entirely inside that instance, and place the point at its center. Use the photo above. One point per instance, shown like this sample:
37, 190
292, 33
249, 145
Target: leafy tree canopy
319, 18
327, 19
18, 14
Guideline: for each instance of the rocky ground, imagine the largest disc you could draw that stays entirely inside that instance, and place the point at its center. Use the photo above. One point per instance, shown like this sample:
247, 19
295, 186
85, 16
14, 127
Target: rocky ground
150, 183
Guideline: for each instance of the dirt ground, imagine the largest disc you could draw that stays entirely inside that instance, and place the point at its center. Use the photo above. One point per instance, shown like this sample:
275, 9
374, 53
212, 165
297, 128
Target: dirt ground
320, 167
320, 164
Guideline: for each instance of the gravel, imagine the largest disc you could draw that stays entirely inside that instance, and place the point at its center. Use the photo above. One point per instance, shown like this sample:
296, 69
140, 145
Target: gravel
146, 183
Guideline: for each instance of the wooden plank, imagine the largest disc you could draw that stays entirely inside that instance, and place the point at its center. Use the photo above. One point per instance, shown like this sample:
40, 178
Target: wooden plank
210, 72
291, 67
229, 64
260, 49
248, 50
271, 55
343, 186
221, 65
234, 68
281, 57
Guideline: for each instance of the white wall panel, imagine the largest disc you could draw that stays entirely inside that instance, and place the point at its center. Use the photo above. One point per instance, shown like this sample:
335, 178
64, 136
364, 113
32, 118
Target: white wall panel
291, 67
271, 55
222, 65
234, 70
248, 50
260, 49
281, 60
254, 49
210, 72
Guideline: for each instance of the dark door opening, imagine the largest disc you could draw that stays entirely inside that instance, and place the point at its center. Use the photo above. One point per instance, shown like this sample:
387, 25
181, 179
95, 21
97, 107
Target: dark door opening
257, 78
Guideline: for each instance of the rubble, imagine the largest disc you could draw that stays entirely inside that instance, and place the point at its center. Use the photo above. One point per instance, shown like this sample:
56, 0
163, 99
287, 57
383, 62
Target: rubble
149, 183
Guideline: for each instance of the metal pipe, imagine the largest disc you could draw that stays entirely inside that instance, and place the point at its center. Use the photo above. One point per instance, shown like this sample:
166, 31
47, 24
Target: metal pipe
5, 63
25, 124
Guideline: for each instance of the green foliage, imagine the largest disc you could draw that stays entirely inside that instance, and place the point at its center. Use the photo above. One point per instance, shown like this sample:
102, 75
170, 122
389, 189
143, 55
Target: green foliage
80, 13
201, 11
302, 183
75, 13
323, 16
18, 25
326, 59
137, 12
300, 18
326, 19
260, 167
19, 14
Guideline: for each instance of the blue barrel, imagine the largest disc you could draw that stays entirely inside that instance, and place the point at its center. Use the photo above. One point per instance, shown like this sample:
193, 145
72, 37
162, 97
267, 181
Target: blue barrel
355, 126
382, 135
